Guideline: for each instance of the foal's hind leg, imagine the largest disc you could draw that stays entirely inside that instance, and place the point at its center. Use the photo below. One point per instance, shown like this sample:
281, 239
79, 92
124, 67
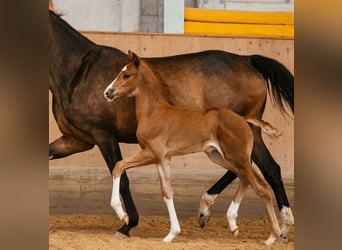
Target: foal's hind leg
262, 189
209, 197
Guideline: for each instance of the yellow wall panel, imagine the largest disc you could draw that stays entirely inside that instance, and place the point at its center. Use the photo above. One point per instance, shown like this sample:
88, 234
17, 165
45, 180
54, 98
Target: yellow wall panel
229, 16
285, 31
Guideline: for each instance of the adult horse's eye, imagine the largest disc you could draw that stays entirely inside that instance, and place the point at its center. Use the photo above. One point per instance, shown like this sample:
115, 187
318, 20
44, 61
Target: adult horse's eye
126, 76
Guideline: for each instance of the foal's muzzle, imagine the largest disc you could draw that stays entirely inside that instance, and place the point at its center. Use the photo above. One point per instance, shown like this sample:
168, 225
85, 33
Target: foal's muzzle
109, 94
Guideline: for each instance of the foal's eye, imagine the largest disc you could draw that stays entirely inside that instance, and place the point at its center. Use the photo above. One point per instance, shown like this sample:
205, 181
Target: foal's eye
126, 76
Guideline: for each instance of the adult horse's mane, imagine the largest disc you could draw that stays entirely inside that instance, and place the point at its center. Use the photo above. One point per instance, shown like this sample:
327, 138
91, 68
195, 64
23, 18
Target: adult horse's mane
68, 28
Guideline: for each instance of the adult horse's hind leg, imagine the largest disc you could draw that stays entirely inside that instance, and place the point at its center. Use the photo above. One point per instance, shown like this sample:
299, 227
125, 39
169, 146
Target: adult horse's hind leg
272, 173
67, 145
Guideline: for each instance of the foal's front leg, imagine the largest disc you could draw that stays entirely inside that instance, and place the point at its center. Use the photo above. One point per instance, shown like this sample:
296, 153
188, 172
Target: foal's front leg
142, 158
167, 192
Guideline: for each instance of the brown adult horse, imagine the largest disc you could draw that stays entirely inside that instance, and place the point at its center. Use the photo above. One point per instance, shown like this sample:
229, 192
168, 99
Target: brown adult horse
165, 130
80, 70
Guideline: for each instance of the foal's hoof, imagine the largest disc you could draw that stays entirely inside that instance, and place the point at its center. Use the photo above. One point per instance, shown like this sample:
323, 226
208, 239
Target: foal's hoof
203, 220
283, 239
235, 232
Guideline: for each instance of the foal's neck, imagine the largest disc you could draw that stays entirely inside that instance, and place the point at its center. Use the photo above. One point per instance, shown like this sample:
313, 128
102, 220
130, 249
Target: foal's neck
152, 94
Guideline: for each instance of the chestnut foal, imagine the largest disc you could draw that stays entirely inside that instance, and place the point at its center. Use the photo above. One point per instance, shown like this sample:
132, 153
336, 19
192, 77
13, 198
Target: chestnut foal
164, 131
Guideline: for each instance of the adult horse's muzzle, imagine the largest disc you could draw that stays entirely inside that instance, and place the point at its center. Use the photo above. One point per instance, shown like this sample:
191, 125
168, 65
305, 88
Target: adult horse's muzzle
109, 94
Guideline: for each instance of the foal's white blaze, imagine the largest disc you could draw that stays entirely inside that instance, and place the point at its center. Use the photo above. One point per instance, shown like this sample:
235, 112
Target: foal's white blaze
110, 86
116, 202
174, 227
232, 214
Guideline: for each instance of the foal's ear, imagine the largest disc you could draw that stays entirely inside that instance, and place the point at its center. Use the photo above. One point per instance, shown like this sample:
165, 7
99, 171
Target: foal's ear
134, 58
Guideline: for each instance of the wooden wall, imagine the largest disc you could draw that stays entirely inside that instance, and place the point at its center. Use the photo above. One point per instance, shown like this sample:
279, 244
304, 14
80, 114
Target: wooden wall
152, 45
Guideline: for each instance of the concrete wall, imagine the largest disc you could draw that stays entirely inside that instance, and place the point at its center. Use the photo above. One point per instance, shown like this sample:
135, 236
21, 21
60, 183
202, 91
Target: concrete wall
150, 15
102, 15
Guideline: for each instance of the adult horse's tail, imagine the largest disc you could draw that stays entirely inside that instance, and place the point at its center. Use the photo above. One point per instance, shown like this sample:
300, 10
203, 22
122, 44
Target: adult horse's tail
279, 79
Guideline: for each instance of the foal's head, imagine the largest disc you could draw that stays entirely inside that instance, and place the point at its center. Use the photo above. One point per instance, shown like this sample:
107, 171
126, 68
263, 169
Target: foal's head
127, 81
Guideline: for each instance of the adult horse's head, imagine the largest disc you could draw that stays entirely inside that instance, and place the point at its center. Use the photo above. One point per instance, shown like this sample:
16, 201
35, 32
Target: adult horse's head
124, 83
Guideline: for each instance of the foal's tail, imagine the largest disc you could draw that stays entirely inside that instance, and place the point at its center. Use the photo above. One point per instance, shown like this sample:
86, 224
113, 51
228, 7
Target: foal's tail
279, 79
266, 127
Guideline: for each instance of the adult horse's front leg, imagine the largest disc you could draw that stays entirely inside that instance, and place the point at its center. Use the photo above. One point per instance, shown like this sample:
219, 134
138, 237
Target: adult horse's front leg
110, 150
142, 158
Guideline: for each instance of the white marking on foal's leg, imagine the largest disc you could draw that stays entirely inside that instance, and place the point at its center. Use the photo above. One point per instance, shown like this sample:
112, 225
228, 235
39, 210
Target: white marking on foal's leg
232, 214
116, 202
270, 239
286, 221
206, 201
174, 224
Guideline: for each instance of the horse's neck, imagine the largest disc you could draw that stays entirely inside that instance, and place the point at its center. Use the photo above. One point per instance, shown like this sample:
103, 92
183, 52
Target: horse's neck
66, 41
151, 96
68, 50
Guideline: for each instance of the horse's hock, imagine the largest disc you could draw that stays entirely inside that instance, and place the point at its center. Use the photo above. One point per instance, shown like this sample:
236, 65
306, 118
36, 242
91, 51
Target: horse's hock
81, 183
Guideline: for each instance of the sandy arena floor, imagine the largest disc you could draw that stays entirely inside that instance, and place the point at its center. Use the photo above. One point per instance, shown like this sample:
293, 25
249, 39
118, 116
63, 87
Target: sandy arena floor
97, 232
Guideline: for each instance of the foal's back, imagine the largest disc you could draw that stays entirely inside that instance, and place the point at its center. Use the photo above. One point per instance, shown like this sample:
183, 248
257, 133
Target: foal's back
187, 130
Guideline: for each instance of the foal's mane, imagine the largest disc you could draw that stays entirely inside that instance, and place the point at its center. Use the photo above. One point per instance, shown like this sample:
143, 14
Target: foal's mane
156, 74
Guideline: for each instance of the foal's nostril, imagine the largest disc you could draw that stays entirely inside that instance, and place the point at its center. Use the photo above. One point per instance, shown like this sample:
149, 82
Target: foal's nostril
109, 93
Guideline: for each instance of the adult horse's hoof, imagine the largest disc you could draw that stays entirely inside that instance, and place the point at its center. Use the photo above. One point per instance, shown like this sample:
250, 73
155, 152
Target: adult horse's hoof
203, 220
120, 235
235, 232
